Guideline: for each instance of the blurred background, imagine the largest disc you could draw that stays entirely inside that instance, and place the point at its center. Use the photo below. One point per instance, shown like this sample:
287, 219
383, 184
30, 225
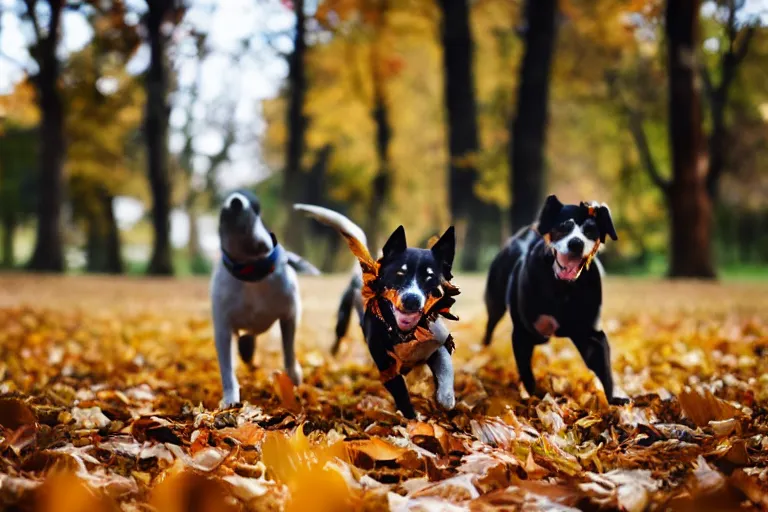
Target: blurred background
124, 123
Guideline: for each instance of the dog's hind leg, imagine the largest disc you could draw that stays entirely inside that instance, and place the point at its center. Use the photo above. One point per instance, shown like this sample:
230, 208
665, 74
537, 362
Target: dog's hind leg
344, 315
442, 369
226, 356
288, 332
495, 308
246, 347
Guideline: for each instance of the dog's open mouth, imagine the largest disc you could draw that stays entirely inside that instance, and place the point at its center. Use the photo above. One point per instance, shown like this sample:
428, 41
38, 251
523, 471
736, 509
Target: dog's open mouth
406, 321
568, 267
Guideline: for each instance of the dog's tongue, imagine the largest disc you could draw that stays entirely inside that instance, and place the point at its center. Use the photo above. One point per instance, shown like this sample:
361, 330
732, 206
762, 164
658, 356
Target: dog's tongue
567, 269
406, 321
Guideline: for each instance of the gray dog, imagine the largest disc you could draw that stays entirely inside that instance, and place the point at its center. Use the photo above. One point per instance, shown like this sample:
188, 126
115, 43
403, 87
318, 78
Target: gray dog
253, 286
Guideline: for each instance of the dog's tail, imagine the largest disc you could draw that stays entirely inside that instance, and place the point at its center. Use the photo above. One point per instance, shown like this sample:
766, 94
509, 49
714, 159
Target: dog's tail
335, 220
301, 265
351, 297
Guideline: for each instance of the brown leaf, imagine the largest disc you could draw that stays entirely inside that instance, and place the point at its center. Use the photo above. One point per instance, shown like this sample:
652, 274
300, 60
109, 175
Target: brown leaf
14, 413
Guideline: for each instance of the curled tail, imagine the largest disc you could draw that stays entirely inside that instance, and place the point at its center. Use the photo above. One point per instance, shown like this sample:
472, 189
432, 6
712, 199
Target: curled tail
358, 242
335, 220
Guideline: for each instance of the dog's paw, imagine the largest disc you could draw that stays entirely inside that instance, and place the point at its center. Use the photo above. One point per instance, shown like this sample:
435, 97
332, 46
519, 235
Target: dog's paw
231, 397
546, 325
446, 398
295, 373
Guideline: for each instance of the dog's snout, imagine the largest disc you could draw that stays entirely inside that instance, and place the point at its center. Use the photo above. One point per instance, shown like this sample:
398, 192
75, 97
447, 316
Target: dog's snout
235, 205
411, 302
576, 245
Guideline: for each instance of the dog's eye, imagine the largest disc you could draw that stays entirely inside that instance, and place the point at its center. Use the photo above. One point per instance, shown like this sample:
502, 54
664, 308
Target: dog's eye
401, 272
590, 230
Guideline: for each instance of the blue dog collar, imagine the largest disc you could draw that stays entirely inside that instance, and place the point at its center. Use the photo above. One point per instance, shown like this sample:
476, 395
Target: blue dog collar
254, 270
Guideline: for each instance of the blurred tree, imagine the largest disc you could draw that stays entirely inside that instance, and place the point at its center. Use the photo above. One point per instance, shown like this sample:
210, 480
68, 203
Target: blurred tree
201, 179
296, 123
733, 46
689, 203
104, 110
362, 24
463, 143
45, 18
160, 14
529, 125
18, 160
105, 106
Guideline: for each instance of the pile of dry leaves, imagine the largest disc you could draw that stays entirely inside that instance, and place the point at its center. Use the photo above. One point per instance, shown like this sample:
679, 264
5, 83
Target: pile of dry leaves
115, 408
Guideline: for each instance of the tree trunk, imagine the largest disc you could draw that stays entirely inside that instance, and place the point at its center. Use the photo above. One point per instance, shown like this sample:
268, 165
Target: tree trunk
114, 260
48, 254
9, 232
297, 125
718, 149
156, 133
103, 248
383, 180
193, 245
461, 109
689, 203
529, 126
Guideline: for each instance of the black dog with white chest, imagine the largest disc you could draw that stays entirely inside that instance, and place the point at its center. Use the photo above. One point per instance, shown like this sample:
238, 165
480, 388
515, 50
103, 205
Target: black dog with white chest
406, 294
545, 278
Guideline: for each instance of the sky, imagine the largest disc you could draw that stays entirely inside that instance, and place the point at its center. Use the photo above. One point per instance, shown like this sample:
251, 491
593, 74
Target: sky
256, 76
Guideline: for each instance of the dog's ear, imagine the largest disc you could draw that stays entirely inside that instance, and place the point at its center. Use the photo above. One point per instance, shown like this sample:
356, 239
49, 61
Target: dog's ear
605, 223
395, 244
549, 213
445, 249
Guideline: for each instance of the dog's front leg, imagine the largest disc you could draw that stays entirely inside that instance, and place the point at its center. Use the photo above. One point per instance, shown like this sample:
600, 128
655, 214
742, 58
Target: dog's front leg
442, 369
596, 352
288, 332
226, 356
522, 346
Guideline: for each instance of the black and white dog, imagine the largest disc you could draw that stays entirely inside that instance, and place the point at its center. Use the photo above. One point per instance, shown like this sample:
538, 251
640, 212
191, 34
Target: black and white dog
253, 286
404, 294
544, 277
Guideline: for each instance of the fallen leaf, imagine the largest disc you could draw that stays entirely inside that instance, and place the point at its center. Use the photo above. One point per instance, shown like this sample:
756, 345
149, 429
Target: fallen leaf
285, 388
14, 413
701, 406
188, 491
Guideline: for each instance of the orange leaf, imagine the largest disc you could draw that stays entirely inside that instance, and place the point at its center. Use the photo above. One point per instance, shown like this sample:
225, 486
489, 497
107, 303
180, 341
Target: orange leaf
377, 449
285, 391
188, 490
65, 492
701, 406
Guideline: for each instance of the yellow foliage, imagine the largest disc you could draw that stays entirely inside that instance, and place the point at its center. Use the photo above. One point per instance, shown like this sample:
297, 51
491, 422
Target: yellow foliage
19, 108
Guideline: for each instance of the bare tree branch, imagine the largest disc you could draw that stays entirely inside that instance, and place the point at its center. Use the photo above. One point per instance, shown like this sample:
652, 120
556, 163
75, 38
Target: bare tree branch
706, 79
32, 15
635, 122
746, 39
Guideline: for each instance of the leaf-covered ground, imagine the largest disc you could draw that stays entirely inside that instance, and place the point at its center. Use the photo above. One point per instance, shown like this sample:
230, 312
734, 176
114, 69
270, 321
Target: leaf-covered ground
110, 394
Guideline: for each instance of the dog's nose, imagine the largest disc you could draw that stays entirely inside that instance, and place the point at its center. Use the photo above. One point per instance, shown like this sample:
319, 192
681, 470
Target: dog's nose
411, 303
235, 205
576, 245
